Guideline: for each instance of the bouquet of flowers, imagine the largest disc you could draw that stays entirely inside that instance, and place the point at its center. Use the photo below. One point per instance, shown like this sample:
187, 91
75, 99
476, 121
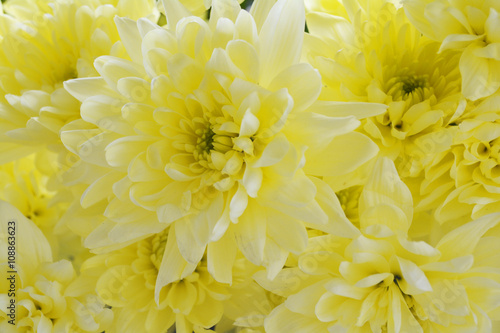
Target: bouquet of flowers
280, 166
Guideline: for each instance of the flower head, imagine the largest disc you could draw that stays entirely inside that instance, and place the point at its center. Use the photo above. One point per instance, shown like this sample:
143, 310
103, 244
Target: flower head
208, 128
469, 27
375, 55
126, 281
45, 294
385, 281
463, 181
45, 44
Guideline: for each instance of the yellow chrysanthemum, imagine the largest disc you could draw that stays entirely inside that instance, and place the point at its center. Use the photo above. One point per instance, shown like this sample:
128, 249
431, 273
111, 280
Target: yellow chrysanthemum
42, 293
375, 55
383, 281
464, 181
470, 27
27, 189
126, 281
46, 44
207, 129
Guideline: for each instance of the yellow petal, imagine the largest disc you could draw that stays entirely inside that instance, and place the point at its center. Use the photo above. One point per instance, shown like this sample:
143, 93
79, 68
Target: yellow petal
173, 266
385, 187
281, 38
220, 258
283, 320
343, 154
463, 240
182, 297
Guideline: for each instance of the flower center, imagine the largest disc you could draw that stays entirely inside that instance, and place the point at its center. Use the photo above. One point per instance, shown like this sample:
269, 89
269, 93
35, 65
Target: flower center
349, 200
409, 87
158, 244
412, 83
204, 143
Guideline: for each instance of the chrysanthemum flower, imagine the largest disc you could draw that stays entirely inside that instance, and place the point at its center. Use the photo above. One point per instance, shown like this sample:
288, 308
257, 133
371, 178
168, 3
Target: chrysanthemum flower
46, 44
126, 280
464, 180
26, 188
384, 282
470, 27
208, 129
46, 298
376, 55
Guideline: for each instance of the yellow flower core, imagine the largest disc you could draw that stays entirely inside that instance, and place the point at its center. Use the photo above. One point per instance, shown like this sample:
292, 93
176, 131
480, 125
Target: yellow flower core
349, 201
409, 86
208, 140
157, 248
213, 146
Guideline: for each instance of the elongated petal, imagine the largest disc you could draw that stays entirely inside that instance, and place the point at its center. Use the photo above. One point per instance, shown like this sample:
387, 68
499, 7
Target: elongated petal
129, 34
250, 232
284, 320
385, 186
342, 155
221, 255
462, 241
281, 38
174, 11
479, 75
173, 266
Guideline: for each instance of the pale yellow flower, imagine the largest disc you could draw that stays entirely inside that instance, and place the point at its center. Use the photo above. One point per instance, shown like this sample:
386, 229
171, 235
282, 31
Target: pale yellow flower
464, 181
46, 44
28, 189
45, 296
126, 280
375, 55
383, 281
208, 129
470, 27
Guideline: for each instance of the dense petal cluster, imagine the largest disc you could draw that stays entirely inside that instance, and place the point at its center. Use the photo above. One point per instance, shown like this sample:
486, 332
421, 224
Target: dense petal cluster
383, 282
47, 297
359, 59
206, 128
470, 27
239, 166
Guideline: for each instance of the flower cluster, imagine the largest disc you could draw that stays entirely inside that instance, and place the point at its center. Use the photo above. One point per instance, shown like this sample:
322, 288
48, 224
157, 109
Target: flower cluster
254, 166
